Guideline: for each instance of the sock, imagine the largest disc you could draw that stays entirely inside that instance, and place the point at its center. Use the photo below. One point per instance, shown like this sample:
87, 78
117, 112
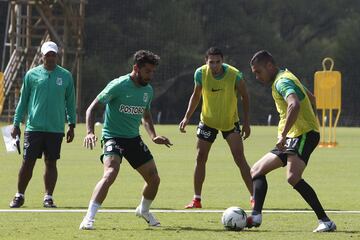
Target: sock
47, 197
145, 204
19, 195
197, 197
260, 188
309, 195
92, 210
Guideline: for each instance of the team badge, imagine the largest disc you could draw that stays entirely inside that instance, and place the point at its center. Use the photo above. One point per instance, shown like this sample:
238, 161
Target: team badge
59, 81
146, 97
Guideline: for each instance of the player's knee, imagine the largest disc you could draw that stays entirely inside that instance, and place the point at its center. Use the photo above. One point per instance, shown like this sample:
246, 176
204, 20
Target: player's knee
50, 164
153, 180
254, 172
293, 179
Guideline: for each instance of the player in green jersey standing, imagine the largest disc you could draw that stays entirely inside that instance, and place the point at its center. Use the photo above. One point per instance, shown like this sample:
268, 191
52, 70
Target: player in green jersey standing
298, 136
127, 100
47, 95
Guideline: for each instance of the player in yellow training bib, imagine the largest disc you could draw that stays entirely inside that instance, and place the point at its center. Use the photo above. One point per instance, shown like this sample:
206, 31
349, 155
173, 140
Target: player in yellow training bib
220, 85
298, 136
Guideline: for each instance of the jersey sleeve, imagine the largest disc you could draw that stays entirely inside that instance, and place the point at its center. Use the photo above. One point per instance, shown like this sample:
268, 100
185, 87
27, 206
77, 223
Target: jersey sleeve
285, 87
198, 77
23, 101
109, 92
70, 101
239, 77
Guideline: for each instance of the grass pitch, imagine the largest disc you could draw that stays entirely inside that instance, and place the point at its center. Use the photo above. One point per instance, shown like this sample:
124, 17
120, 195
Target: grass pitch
333, 173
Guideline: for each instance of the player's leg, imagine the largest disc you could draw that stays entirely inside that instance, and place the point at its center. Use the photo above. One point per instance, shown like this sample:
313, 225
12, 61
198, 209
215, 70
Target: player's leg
33, 146
297, 161
203, 149
266, 164
141, 159
52, 148
111, 170
50, 178
237, 150
111, 159
206, 136
152, 181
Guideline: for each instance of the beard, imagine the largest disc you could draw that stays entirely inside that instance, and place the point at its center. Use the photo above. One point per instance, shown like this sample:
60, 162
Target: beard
141, 80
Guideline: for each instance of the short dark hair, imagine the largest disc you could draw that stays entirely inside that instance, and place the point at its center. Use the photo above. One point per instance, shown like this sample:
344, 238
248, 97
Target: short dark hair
262, 57
214, 51
142, 57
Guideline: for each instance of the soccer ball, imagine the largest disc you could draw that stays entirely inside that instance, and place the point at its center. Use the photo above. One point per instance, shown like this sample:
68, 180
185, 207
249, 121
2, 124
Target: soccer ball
234, 218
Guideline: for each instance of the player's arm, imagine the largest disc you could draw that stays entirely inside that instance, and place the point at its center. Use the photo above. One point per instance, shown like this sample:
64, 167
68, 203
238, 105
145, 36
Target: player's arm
149, 127
90, 139
193, 103
242, 90
21, 107
70, 110
293, 108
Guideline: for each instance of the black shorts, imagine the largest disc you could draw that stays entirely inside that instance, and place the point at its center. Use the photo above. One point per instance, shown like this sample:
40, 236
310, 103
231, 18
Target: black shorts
302, 145
133, 149
208, 134
37, 143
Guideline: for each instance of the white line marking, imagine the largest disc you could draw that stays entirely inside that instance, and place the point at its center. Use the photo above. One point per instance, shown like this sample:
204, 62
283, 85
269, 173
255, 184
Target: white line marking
163, 211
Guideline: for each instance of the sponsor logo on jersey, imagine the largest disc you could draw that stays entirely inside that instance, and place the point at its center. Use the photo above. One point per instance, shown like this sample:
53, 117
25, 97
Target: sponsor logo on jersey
134, 110
216, 89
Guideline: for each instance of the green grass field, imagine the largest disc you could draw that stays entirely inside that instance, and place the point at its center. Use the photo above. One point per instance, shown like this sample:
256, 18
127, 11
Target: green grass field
332, 172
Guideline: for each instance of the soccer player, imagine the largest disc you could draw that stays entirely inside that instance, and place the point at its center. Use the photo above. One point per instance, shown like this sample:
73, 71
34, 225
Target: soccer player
127, 100
47, 95
220, 85
298, 136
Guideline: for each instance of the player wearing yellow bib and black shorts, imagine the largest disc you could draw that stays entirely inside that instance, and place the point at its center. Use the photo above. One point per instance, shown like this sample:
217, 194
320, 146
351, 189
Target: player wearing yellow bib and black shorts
220, 85
298, 136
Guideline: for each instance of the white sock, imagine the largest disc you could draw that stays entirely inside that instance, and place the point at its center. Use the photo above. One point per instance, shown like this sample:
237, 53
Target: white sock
46, 197
145, 204
197, 196
92, 210
19, 195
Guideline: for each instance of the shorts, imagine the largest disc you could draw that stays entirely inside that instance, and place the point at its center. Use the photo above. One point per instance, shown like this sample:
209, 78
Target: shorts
208, 134
133, 149
37, 143
302, 145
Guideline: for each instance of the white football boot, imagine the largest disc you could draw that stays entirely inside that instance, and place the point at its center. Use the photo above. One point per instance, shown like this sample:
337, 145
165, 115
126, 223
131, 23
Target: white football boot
148, 216
87, 224
328, 226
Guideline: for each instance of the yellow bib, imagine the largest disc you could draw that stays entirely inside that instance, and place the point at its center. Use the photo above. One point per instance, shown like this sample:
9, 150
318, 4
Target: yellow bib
306, 120
219, 107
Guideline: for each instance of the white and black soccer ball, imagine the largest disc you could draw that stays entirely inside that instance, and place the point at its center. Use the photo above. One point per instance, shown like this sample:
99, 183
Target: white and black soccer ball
234, 218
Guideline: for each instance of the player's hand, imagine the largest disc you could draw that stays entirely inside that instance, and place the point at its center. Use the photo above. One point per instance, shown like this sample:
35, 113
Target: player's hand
15, 132
281, 143
70, 135
162, 140
245, 131
183, 124
90, 140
